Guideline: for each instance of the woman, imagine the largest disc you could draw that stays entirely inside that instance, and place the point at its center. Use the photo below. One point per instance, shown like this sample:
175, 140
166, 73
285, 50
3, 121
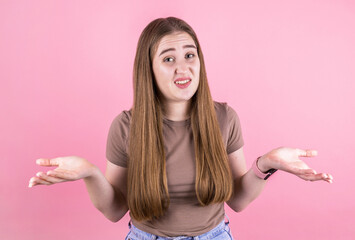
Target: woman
176, 156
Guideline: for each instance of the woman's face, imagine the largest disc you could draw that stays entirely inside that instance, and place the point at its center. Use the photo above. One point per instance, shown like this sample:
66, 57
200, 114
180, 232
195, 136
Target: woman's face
176, 67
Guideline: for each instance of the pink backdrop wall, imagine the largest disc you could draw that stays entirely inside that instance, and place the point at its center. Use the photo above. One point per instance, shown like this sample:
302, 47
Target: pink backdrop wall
287, 67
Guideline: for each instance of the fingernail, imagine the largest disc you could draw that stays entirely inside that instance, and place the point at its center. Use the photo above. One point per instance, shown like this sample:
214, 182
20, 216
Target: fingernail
38, 161
39, 174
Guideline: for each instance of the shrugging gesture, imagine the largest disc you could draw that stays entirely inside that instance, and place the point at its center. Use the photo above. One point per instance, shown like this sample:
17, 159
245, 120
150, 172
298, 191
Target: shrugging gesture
288, 160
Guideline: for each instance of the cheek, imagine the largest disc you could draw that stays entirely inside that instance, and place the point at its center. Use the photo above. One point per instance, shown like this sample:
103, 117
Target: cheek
163, 77
197, 65
162, 73
197, 69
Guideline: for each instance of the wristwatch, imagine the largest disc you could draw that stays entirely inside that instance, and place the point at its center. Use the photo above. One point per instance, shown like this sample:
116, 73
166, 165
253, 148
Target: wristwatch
259, 173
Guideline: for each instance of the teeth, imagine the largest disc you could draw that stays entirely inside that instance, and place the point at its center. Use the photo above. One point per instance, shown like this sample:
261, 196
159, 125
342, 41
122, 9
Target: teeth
182, 82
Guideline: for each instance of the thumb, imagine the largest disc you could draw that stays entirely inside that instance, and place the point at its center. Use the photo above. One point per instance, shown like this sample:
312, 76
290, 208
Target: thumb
307, 153
48, 162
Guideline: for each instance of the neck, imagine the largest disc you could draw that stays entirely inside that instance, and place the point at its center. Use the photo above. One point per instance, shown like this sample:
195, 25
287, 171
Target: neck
177, 111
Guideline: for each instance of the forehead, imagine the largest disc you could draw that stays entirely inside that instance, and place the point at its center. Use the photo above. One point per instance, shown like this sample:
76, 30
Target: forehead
175, 39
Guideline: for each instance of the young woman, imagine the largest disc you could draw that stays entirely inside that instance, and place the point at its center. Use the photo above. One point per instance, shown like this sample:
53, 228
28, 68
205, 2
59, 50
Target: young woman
176, 156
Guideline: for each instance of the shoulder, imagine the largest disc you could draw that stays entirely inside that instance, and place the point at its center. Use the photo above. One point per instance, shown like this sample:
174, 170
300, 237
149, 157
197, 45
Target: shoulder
230, 126
123, 119
220, 106
227, 117
223, 110
121, 123
222, 114
117, 140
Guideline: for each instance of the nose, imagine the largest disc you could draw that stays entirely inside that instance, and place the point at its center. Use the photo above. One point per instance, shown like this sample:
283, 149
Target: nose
181, 67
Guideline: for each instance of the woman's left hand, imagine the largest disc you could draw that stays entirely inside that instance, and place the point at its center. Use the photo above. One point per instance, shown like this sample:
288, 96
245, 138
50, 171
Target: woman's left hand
288, 160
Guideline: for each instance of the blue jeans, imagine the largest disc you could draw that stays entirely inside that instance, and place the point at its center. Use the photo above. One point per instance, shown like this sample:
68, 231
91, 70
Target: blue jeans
221, 232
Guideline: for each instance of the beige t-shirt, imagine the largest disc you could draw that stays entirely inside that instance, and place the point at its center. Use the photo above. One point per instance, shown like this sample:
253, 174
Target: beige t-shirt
185, 216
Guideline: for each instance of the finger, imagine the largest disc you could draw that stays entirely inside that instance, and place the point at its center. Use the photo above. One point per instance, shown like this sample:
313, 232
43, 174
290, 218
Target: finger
330, 176
58, 173
300, 171
310, 177
31, 183
317, 177
37, 181
327, 177
48, 178
307, 153
304, 171
48, 162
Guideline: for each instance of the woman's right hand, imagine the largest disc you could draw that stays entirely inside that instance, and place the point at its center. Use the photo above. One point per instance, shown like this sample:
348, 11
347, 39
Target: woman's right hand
68, 169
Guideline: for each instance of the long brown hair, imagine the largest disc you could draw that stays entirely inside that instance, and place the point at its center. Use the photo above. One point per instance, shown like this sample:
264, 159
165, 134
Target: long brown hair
147, 189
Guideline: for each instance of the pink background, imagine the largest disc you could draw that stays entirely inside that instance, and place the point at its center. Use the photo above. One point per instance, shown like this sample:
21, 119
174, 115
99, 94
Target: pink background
286, 67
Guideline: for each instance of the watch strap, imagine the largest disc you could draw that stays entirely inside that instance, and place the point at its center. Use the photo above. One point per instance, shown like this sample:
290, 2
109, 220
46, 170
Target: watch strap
259, 173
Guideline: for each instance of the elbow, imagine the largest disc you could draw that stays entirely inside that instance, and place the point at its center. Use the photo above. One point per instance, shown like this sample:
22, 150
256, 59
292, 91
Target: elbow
237, 207
115, 216
240, 208
113, 219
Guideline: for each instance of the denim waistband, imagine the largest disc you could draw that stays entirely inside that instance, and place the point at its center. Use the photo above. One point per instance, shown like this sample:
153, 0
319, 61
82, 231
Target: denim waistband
208, 235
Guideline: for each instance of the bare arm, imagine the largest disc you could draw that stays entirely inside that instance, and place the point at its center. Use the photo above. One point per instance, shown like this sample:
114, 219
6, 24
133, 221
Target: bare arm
247, 186
106, 192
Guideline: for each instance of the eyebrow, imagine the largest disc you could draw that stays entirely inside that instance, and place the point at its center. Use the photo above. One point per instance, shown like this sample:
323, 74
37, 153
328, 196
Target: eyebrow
173, 49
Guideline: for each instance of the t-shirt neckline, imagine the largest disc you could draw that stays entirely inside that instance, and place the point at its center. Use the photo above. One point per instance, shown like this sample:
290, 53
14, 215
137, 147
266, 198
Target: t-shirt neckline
177, 123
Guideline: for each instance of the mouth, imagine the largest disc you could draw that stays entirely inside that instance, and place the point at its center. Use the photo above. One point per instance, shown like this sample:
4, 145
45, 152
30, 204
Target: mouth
182, 82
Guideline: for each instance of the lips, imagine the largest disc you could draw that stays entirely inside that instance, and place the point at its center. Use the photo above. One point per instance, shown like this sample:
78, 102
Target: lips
182, 82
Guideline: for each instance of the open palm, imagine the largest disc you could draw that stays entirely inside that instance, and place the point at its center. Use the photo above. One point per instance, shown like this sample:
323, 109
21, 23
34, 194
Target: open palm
288, 160
68, 169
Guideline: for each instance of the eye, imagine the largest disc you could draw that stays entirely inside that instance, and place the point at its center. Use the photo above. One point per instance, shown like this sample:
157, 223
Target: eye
190, 55
168, 59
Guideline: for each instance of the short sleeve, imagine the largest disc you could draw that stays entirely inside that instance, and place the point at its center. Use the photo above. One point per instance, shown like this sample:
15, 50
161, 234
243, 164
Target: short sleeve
117, 140
235, 137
